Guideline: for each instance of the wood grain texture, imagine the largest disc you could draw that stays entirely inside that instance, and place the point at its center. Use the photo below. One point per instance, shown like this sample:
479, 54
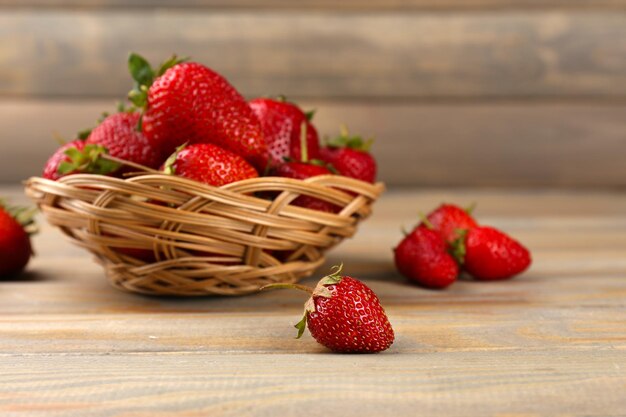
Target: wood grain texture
326, 4
550, 342
321, 54
504, 144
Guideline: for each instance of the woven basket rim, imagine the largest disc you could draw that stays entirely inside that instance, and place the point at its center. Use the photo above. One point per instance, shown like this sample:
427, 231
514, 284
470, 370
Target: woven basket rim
175, 217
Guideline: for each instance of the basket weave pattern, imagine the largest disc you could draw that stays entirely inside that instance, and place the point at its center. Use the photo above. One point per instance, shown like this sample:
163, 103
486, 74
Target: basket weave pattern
204, 240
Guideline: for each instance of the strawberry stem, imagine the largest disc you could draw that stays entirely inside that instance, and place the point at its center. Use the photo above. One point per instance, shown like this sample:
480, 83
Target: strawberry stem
304, 151
280, 285
425, 220
129, 163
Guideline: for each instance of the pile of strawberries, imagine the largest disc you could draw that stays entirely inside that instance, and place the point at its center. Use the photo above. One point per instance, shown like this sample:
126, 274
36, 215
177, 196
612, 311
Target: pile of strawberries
185, 119
449, 240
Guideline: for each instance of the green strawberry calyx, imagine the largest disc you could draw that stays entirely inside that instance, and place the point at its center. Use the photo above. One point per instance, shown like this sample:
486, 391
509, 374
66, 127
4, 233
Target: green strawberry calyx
320, 290
345, 140
456, 248
168, 166
144, 75
88, 160
25, 216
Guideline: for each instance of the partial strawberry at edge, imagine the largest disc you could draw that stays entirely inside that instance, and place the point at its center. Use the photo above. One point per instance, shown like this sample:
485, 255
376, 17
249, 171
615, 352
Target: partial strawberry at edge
350, 156
186, 102
16, 223
282, 123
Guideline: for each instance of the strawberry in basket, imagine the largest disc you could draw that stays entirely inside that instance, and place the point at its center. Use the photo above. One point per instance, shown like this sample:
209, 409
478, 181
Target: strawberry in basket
116, 135
186, 102
303, 169
350, 156
282, 127
209, 164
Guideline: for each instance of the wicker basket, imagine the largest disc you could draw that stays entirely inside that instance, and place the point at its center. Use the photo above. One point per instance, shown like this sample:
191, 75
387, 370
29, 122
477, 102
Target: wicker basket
202, 240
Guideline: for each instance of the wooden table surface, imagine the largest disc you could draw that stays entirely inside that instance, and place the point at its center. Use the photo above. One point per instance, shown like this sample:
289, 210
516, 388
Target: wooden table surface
550, 342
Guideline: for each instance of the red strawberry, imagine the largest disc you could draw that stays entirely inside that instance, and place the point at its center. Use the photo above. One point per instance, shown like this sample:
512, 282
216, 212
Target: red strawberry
15, 248
51, 169
350, 156
448, 220
75, 157
188, 102
344, 315
302, 171
422, 257
119, 135
492, 255
282, 123
209, 164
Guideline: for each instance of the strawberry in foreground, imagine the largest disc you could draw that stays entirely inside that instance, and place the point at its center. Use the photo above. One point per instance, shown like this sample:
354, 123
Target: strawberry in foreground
188, 102
282, 125
492, 255
422, 256
208, 164
15, 249
350, 156
119, 135
344, 315
78, 157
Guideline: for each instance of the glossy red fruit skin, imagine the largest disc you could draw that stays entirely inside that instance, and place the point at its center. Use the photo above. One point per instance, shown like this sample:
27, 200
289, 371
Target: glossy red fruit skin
493, 255
192, 103
281, 122
302, 171
422, 257
51, 169
351, 163
15, 248
447, 219
212, 165
351, 320
119, 135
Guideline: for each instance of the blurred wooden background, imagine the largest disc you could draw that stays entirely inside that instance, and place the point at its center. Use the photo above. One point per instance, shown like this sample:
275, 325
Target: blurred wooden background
457, 92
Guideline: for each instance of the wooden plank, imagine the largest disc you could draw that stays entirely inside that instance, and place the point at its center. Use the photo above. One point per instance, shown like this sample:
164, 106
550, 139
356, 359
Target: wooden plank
324, 54
467, 144
326, 4
515, 383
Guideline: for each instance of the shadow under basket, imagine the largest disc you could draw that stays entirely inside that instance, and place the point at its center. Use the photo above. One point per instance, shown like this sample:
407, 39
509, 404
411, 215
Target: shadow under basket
166, 235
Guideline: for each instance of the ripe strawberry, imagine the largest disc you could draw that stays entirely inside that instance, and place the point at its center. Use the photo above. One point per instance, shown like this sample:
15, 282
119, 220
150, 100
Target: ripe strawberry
344, 315
188, 102
350, 156
119, 135
209, 164
449, 220
282, 124
492, 255
422, 257
302, 170
15, 248
75, 157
